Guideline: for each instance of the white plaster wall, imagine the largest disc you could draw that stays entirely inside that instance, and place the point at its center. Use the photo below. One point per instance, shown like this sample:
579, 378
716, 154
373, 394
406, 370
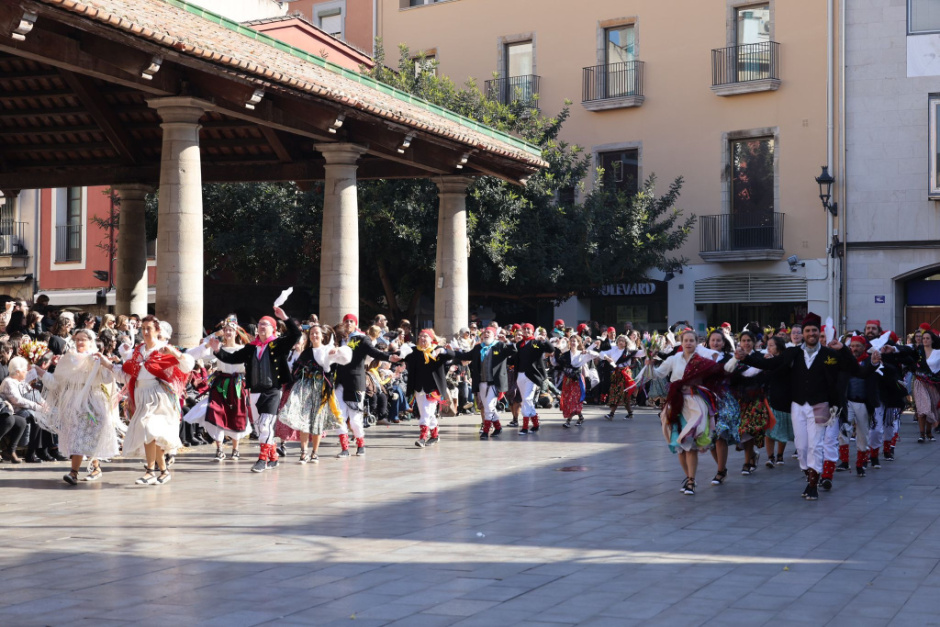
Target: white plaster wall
888, 78
574, 311
244, 10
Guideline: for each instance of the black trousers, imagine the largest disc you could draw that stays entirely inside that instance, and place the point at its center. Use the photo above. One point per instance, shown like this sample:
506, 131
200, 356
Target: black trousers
12, 426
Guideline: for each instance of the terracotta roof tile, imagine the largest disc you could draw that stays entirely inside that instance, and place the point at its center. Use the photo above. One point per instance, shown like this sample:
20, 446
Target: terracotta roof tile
218, 40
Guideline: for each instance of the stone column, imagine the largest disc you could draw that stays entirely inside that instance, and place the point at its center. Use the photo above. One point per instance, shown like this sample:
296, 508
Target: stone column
451, 309
179, 230
339, 252
130, 267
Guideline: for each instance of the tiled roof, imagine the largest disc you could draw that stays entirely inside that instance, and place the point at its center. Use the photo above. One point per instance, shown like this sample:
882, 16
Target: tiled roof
300, 18
176, 24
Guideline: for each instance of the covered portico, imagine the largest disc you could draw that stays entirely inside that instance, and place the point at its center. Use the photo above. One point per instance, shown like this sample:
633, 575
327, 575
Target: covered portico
139, 94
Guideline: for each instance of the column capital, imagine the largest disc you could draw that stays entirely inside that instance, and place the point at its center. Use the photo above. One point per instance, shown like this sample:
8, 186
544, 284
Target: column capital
340, 153
453, 184
134, 190
180, 109
10, 193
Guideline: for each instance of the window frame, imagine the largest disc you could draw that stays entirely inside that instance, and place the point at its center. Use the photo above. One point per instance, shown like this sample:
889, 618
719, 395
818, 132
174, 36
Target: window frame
731, 19
727, 167
61, 195
933, 144
908, 25
636, 146
331, 9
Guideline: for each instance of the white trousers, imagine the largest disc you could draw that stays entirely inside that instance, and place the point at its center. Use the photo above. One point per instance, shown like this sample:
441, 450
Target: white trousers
858, 415
427, 410
487, 398
808, 437
352, 412
529, 392
876, 436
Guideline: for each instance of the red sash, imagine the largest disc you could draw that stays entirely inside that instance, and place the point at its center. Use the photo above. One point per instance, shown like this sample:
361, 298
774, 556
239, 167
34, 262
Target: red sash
164, 367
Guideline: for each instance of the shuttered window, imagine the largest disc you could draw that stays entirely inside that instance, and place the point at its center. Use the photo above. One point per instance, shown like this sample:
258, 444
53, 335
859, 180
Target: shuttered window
751, 288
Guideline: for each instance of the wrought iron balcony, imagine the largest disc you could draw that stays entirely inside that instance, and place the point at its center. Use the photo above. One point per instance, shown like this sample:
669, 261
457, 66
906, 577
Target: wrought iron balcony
68, 243
746, 68
612, 86
514, 89
742, 237
12, 242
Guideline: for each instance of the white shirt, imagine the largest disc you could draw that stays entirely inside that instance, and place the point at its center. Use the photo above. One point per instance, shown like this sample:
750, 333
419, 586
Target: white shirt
808, 357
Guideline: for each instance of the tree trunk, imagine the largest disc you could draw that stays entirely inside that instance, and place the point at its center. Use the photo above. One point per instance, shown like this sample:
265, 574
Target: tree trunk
394, 313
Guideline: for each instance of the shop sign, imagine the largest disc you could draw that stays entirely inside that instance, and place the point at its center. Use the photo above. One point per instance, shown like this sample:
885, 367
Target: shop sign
629, 289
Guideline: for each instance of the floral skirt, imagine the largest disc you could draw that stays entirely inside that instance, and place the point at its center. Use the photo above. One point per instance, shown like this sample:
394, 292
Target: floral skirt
728, 419
309, 408
157, 419
621, 379
658, 390
572, 397
694, 431
926, 398
756, 418
783, 430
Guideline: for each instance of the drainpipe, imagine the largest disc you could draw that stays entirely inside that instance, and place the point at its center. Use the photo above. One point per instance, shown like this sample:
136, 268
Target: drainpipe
843, 170
37, 217
830, 121
375, 24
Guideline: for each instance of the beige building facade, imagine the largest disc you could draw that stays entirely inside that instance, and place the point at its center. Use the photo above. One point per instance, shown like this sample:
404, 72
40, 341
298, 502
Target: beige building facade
733, 96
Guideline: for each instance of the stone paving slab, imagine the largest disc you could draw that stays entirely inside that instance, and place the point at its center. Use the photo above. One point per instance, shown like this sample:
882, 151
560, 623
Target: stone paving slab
473, 533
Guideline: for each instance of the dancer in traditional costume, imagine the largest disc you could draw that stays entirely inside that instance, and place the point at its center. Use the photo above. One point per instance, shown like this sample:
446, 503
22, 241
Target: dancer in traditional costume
571, 362
156, 374
80, 405
427, 370
309, 407
927, 384
621, 358
225, 411
489, 372
756, 416
266, 371
530, 367
688, 416
778, 396
720, 348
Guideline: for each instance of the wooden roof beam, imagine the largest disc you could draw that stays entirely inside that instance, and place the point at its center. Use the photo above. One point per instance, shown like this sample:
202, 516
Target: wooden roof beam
102, 114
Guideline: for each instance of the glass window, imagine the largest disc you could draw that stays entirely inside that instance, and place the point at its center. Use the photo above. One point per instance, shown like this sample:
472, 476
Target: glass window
934, 151
332, 22
621, 44
519, 61
751, 223
69, 226
753, 24
621, 170
923, 16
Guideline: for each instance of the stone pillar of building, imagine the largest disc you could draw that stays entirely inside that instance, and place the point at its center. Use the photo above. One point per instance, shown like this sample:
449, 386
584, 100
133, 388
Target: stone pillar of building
179, 229
451, 300
339, 252
130, 267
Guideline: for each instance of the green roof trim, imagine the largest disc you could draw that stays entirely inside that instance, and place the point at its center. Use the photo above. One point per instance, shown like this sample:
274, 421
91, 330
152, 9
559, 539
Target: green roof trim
355, 76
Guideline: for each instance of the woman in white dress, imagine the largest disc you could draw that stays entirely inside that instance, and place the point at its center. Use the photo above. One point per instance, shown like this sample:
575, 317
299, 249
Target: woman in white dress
156, 378
81, 406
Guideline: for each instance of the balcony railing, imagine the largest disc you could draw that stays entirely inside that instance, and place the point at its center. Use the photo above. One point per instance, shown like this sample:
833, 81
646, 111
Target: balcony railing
68, 243
12, 242
732, 237
746, 63
612, 81
514, 89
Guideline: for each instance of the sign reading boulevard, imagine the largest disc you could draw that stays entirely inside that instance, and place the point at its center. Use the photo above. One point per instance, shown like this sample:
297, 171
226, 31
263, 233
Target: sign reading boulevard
629, 289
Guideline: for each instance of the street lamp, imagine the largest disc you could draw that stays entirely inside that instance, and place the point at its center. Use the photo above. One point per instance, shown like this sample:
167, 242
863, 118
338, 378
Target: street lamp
825, 182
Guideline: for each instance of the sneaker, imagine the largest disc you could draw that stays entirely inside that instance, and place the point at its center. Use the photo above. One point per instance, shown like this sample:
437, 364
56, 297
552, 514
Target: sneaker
234, 456
496, 432
875, 463
361, 451
219, 455
523, 432
826, 484
860, 471
514, 423
889, 456
343, 454
534, 429
433, 441
421, 443
484, 436
272, 464
842, 467
812, 493
259, 466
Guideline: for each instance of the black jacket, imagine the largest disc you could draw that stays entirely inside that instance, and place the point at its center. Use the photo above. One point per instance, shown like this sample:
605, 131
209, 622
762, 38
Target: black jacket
530, 360
278, 351
501, 354
426, 378
352, 376
819, 383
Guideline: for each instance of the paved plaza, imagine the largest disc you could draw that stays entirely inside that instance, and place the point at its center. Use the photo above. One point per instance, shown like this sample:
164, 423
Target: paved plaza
582, 526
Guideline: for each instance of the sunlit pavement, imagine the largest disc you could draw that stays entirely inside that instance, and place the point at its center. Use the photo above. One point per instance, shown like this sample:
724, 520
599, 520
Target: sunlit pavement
568, 526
